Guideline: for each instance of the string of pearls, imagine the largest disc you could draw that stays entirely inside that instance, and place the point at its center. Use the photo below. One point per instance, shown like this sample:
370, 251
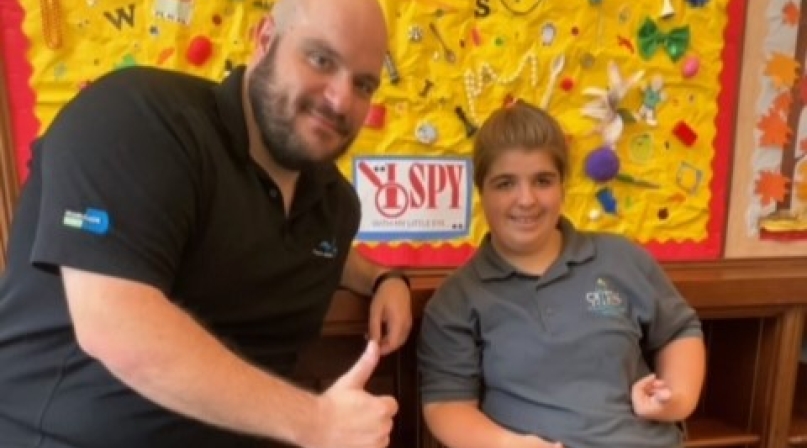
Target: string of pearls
486, 75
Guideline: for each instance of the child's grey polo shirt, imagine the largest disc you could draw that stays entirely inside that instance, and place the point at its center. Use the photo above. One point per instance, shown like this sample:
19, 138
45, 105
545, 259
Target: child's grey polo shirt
556, 356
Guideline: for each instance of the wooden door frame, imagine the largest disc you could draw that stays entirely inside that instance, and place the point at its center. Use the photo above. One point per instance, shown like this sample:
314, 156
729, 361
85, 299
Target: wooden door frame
9, 179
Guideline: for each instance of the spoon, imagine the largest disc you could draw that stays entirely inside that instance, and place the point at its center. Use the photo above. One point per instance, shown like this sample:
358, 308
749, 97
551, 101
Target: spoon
555, 69
448, 54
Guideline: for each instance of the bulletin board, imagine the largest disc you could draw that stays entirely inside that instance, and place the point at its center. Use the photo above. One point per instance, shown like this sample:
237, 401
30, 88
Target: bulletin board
646, 92
768, 213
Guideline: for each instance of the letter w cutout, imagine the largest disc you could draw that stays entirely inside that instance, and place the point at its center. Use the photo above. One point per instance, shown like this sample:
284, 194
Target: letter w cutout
121, 15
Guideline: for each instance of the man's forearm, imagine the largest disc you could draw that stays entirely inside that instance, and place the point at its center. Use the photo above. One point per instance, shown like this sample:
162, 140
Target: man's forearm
162, 353
196, 376
360, 273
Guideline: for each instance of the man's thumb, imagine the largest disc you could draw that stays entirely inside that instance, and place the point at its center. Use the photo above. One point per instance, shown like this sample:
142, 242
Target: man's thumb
357, 376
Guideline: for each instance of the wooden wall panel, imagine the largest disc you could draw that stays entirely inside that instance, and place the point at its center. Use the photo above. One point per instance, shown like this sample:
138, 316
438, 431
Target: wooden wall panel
9, 183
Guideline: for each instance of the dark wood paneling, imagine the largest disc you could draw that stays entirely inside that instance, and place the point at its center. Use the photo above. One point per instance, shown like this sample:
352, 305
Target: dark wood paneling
798, 427
733, 363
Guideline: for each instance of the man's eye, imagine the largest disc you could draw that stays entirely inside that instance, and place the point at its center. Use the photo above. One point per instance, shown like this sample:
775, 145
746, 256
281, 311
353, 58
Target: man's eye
319, 60
367, 88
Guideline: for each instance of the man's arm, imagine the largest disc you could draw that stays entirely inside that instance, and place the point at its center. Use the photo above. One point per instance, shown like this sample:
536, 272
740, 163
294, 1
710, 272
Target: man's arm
159, 351
360, 274
391, 307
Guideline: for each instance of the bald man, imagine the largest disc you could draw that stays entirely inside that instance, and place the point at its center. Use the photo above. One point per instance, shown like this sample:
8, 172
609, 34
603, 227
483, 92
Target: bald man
179, 241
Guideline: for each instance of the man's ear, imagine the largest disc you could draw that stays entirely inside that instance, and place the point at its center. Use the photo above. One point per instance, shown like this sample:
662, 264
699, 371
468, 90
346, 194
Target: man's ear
264, 34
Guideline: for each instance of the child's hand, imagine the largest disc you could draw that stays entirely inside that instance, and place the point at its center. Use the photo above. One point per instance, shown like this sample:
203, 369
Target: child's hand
649, 397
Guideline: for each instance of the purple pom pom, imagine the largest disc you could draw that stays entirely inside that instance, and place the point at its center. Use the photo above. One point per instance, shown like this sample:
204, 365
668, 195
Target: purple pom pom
602, 164
697, 3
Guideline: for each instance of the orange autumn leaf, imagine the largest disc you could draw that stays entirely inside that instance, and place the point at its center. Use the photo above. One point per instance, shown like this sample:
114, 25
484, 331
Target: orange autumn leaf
771, 187
782, 69
801, 191
790, 14
782, 102
801, 186
802, 172
803, 148
775, 131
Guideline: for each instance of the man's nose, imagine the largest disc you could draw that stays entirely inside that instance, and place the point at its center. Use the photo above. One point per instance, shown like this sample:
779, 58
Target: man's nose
339, 93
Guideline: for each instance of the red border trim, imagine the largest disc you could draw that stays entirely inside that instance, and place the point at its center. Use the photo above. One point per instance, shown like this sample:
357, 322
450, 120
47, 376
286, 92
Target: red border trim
783, 235
14, 48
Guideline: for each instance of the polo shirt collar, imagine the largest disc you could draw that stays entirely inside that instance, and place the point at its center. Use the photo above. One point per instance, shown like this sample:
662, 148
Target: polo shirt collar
577, 248
229, 98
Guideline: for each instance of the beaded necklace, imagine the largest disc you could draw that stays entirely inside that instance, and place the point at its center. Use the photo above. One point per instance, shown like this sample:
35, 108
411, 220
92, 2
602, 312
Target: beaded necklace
485, 75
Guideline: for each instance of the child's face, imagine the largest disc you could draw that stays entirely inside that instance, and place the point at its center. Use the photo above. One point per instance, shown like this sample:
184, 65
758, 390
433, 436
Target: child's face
522, 196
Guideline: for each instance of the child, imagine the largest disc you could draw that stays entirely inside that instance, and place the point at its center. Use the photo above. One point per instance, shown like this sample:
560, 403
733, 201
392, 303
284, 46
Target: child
548, 336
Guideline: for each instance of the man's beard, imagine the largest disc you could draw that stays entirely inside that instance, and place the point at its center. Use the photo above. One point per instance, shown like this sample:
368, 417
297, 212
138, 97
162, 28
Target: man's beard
274, 116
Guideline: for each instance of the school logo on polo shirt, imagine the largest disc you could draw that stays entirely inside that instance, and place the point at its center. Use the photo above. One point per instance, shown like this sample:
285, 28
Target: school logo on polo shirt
605, 300
93, 220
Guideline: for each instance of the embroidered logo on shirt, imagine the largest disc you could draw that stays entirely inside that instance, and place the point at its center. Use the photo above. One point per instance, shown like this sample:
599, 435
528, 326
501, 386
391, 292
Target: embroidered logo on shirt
605, 300
92, 220
326, 249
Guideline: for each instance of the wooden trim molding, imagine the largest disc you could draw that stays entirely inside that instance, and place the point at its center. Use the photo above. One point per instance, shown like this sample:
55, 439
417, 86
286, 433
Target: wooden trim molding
716, 289
9, 181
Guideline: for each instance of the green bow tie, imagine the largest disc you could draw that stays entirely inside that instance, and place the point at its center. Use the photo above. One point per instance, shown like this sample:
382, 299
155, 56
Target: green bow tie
650, 37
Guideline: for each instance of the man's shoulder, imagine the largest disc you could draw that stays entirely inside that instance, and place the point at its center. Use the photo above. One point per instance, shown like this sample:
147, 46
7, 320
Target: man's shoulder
147, 88
151, 78
148, 109
138, 100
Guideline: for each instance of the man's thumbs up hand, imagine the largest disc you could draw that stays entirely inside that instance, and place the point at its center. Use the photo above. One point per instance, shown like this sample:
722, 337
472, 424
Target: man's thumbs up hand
362, 370
348, 416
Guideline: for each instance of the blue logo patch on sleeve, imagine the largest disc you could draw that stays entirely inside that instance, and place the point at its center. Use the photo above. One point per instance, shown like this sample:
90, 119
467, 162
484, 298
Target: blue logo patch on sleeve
92, 220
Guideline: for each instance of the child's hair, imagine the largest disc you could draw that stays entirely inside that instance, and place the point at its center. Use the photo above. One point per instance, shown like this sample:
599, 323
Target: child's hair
518, 125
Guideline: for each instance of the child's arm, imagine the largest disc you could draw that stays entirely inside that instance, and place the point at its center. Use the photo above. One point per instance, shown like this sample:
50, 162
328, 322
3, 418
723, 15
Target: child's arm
672, 393
460, 424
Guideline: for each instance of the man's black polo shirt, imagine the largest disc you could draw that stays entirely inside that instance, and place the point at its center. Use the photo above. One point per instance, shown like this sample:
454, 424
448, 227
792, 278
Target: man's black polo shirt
146, 175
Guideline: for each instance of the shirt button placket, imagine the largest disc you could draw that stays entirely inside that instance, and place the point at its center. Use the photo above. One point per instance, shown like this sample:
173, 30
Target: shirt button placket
541, 309
548, 315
